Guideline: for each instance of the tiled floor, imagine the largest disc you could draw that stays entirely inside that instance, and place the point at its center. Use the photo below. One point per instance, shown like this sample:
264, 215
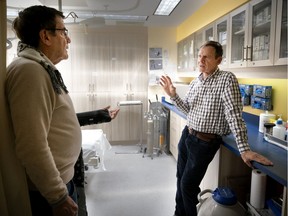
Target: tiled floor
132, 185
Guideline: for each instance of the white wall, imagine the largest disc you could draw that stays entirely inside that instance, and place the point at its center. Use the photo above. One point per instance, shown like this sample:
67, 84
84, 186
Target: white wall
164, 38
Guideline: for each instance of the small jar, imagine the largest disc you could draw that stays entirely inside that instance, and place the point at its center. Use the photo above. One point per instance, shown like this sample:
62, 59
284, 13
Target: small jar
268, 128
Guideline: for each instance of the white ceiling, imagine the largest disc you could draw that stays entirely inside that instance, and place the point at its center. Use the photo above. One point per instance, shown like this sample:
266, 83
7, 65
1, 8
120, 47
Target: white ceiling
117, 7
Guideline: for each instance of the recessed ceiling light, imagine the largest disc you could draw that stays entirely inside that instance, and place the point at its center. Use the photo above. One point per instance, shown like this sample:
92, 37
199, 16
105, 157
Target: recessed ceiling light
166, 7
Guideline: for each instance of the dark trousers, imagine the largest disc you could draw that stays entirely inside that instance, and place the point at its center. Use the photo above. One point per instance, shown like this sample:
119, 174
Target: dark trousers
40, 206
194, 156
79, 181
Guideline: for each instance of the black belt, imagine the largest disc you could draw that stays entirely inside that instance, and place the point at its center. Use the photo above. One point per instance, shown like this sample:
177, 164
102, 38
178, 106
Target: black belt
203, 136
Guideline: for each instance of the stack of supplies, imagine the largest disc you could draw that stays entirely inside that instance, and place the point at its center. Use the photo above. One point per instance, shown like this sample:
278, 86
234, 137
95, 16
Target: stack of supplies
261, 98
246, 92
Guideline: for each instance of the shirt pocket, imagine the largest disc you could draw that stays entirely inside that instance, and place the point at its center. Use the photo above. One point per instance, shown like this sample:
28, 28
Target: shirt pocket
213, 95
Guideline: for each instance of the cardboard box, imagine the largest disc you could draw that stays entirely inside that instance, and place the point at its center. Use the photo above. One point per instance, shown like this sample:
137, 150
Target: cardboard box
261, 103
246, 89
262, 91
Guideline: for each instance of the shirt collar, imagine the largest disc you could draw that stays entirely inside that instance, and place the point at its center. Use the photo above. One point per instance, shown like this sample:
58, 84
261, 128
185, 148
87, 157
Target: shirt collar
200, 77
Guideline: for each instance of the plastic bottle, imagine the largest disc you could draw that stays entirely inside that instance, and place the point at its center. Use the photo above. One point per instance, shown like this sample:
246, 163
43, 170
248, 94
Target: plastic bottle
264, 118
279, 130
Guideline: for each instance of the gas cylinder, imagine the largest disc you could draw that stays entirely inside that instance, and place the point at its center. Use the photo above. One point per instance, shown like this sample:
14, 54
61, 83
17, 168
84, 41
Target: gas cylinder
222, 202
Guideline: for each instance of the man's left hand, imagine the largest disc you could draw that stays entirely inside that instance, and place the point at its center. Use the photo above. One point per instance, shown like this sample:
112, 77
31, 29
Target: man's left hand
249, 156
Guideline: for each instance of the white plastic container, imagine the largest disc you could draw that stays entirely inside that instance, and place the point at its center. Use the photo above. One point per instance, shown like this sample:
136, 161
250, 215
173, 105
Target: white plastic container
279, 130
223, 202
264, 118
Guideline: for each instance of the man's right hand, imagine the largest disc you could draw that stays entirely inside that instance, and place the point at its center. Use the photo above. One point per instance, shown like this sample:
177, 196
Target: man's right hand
167, 85
68, 207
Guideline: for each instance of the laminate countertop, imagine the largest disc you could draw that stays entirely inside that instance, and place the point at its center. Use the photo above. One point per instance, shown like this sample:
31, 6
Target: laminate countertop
273, 152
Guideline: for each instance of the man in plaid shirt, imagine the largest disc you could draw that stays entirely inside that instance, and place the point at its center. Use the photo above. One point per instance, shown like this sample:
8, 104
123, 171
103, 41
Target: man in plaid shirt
214, 109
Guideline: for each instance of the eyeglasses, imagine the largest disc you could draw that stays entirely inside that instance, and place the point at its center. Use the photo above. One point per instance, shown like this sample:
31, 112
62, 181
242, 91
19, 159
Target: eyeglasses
64, 30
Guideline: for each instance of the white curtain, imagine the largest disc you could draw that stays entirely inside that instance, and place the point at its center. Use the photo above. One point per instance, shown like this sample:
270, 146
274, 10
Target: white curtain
14, 200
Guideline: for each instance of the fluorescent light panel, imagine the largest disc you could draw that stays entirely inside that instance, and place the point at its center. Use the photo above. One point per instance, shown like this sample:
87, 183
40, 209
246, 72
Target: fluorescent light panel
13, 12
166, 7
87, 15
124, 17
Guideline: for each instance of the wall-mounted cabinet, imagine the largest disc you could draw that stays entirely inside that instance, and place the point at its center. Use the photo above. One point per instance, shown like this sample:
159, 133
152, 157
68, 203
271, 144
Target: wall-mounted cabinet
189, 47
281, 49
253, 35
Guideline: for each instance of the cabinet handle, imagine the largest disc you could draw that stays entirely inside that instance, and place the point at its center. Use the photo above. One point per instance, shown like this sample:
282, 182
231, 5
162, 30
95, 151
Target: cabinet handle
89, 96
249, 53
244, 54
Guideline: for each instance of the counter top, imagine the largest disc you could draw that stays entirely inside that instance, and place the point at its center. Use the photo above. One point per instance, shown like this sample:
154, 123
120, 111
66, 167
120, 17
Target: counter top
274, 153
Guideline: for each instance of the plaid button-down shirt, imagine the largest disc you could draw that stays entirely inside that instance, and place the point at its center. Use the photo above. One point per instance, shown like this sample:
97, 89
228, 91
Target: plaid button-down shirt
214, 106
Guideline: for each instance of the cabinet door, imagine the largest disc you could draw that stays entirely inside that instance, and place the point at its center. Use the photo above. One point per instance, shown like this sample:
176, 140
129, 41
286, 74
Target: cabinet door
100, 101
100, 61
129, 122
89, 65
131, 76
199, 40
192, 61
186, 56
82, 101
239, 33
174, 133
180, 56
281, 50
260, 49
209, 33
253, 34
186, 46
80, 68
130, 82
221, 28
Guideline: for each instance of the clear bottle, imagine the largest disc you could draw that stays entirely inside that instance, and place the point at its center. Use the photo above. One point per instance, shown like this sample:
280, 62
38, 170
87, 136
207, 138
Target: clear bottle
279, 130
